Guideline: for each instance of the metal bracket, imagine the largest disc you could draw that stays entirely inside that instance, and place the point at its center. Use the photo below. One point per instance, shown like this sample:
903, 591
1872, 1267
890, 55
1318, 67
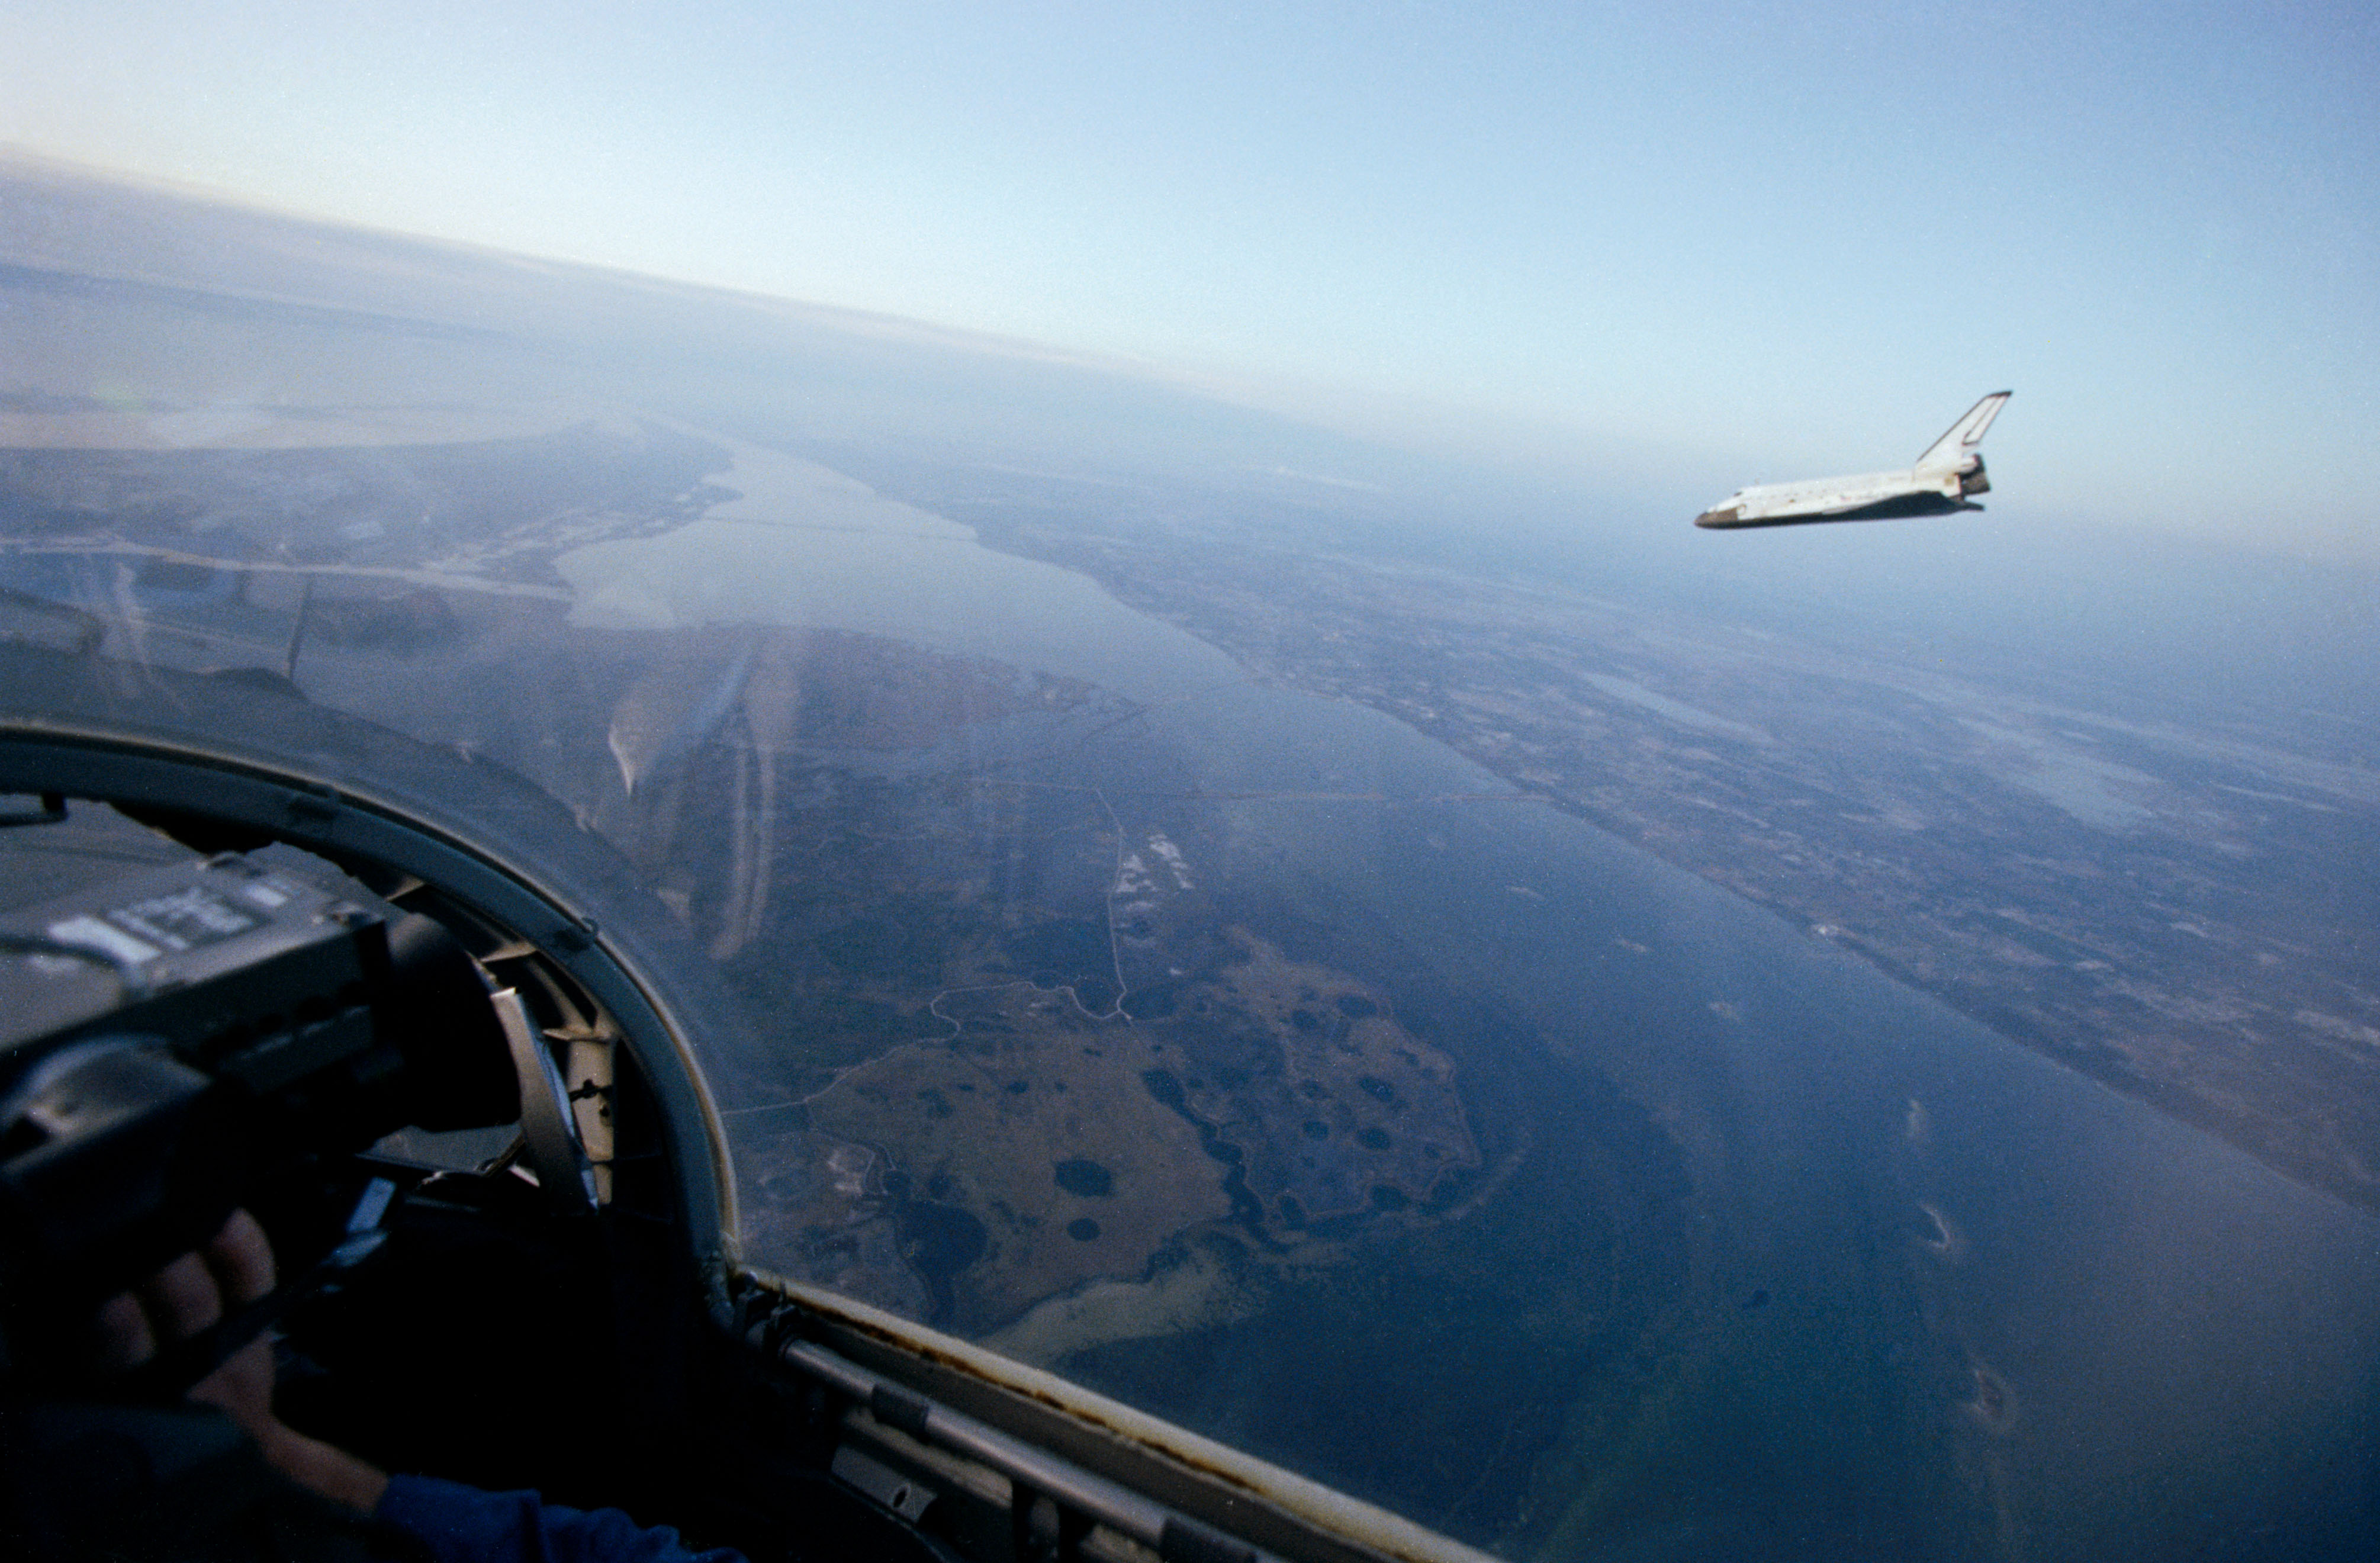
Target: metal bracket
904, 1496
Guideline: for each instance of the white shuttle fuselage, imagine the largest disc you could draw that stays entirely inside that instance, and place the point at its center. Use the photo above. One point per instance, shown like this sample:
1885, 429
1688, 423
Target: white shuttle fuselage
1943, 479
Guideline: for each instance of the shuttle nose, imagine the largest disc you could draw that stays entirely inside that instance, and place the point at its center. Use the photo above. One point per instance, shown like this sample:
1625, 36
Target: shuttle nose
1724, 515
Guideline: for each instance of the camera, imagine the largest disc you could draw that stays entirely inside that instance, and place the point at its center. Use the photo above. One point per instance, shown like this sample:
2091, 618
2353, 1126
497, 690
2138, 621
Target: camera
175, 1040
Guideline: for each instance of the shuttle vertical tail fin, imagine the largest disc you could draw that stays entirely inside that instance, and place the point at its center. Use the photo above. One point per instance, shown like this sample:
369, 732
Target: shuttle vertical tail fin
1953, 448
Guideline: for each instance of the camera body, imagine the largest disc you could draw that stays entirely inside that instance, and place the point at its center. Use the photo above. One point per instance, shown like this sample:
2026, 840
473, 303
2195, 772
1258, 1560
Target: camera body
174, 1039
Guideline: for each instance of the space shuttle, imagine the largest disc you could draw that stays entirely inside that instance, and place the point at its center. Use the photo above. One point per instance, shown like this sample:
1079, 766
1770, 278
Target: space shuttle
1941, 482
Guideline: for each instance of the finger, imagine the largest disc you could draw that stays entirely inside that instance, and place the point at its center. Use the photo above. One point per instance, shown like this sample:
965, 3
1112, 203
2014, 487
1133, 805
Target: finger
125, 1338
182, 1299
243, 1387
240, 1258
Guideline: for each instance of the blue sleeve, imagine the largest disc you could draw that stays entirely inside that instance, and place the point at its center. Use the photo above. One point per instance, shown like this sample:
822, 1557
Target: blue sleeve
461, 1525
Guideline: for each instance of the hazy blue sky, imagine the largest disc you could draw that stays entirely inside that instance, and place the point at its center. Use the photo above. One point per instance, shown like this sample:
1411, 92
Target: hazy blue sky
1702, 243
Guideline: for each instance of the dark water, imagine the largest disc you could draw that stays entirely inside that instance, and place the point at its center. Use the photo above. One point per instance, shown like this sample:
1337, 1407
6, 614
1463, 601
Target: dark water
1786, 1260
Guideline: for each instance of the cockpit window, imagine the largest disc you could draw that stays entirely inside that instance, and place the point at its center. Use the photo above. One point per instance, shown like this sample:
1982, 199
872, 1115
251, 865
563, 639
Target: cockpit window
1590, 1034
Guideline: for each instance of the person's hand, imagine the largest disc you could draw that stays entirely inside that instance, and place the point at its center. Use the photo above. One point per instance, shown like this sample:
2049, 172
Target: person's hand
193, 1294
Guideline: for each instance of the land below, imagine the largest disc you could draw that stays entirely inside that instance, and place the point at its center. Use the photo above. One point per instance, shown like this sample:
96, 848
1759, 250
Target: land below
2167, 903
